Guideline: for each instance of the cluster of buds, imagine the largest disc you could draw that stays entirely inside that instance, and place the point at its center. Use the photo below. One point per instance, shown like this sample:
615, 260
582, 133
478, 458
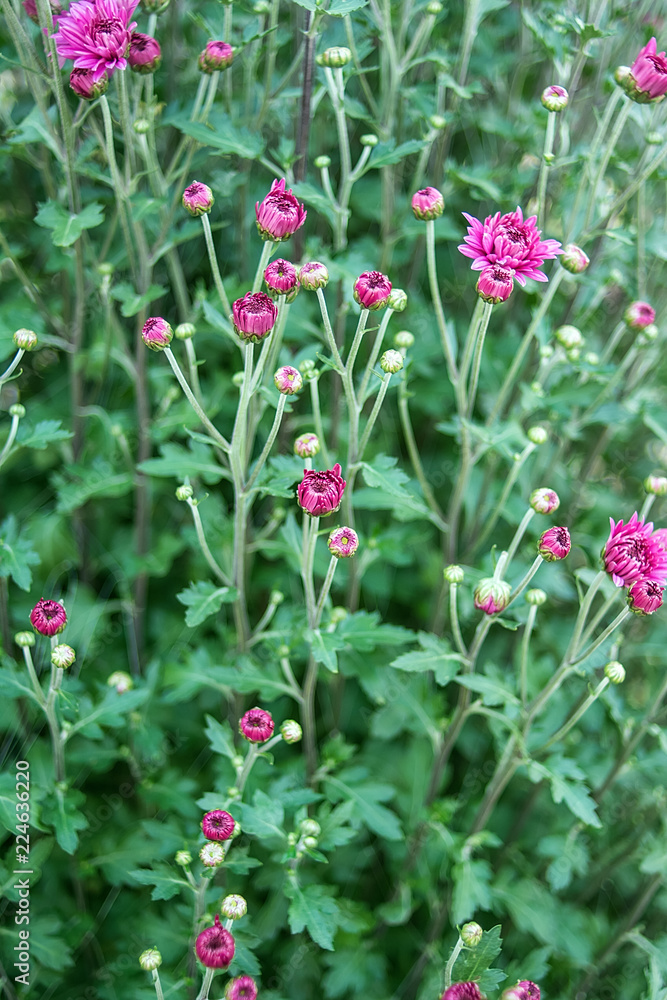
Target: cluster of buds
635, 556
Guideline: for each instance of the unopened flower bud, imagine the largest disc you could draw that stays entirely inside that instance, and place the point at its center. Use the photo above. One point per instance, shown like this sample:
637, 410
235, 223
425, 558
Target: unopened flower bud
654, 138
183, 858
237, 379
591, 358
434, 7
26, 340
555, 98
291, 731
141, 126
537, 434
437, 122
453, 574
307, 365
369, 140
233, 793
198, 199
404, 340
656, 485
491, 596
310, 842
237, 830
573, 354
150, 960
313, 275
615, 672
623, 77
391, 362
307, 445
544, 501
536, 597
335, 57
651, 332
569, 337
288, 380
121, 681
310, 828
156, 333
17, 410
185, 331
215, 57
212, 854
62, 656
24, 639
283, 650
322, 162
184, 492
398, 300
573, 259
338, 615
639, 315
471, 934
234, 907
554, 544
645, 597
428, 204
343, 542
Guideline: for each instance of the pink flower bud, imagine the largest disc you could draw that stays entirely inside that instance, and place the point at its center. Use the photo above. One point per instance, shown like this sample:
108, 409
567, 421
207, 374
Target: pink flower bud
144, 55
462, 991
48, 617
280, 277
491, 596
307, 445
254, 316
555, 98
198, 199
343, 542
554, 544
321, 493
645, 597
524, 990
120, 681
256, 725
288, 380
215, 946
428, 204
656, 485
215, 57
241, 988
30, 7
313, 275
26, 340
639, 315
634, 553
157, 334
279, 215
372, 290
217, 825
495, 284
83, 83
544, 501
574, 259
648, 75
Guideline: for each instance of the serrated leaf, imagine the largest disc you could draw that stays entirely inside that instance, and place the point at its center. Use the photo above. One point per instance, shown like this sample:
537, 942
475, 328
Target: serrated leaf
220, 134
47, 946
219, 735
203, 599
387, 153
177, 462
323, 646
77, 484
264, 818
565, 781
314, 197
363, 631
66, 226
365, 799
474, 964
384, 477
313, 909
132, 301
492, 691
165, 880
42, 434
472, 877
339, 8
13, 685
111, 712
60, 811
436, 655
16, 554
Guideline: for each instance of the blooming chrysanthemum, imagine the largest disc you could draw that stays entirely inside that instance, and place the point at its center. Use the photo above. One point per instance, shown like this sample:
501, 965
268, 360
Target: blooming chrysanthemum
633, 553
256, 725
321, 493
217, 825
96, 35
554, 544
511, 241
48, 617
279, 214
215, 946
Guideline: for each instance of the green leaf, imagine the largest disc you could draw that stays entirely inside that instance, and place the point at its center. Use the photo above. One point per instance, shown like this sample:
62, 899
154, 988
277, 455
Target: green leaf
42, 434
47, 946
203, 599
178, 462
471, 888
264, 818
15, 685
473, 964
314, 197
224, 136
60, 811
565, 779
16, 554
314, 909
110, 712
365, 799
280, 475
436, 655
323, 646
492, 691
386, 153
132, 302
165, 880
219, 735
77, 484
67, 227
33, 129
339, 8
363, 632
387, 483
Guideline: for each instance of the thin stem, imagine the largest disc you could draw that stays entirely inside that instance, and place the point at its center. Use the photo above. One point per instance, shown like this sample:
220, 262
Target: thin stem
157, 984
454, 620
251, 757
470, 341
213, 260
576, 715
523, 661
620, 617
317, 419
356, 343
206, 985
606, 156
445, 337
612, 343
203, 544
210, 97
286, 668
477, 359
27, 656
449, 968
6, 375
213, 431
193, 368
124, 111
526, 580
309, 536
324, 593
10, 439
259, 465
331, 340
377, 344
413, 452
264, 259
507, 489
547, 158
518, 534
614, 98
379, 399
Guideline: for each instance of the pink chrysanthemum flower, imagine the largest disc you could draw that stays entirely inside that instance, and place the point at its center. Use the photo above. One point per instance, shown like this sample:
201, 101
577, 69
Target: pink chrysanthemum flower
217, 825
198, 199
511, 241
428, 204
48, 617
639, 315
84, 86
216, 57
313, 275
633, 553
215, 946
156, 333
280, 277
649, 72
279, 214
544, 500
256, 725
321, 493
288, 380
96, 35
462, 991
554, 544
241, 988
343, 542
254, 316
145, 54
495, 284
372, 290
645, 597
524, 990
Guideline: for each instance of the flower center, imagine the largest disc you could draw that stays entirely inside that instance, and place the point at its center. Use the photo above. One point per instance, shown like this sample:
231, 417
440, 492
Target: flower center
516, 235
501, 274
282, 203
106, 26
637, 549
659, 64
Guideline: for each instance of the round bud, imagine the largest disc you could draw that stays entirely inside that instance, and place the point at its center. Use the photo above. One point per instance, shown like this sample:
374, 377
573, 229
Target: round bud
471, 934
237, 379
453, 574
233, 793
212, 854
573, 259
310, 828
185, 331
26, 340
391, 362
428, 204
544, 501
322, 162
276, 597
569, 337
555, 98
546, 352
398, 300
338, 615
237, 762
291, 731
283, 650
437, 122
288, 380
335, 57
198, 199
624, 78
156, 333
404, 340
310, 842
536, 597
234, 907
183, 858
591, 358
62, 656
141, 126
573, 354
491, 596
369, 140
313, 275
651, 332
656, 485
150, 960
615, 672
17, 410
24, 639
262, 7
121, 681
236, 832
434, 7
307, 445
654, 138
292, 839
537, 434
105, 268
184, 492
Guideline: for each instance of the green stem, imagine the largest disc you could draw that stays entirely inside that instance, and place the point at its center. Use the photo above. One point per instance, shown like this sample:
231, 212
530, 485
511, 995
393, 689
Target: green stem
574, 718
118, 184
27, 656
317, 419
614, 98
280, 409
6, 375
157, 984
213, 431
379, 399
518, 535
309, 536
547, 158
206, 985
413, 452
377, 344
525, 581
507, 489
454, 620
10, 439
193, 369
620, 617
331, 340
215, 270
523, 662
264, 259
286, 668
203, 544
210, 97
477, 359
324, 593
445, 337
449, 968
612, 343
227, 80
124, 111
606, 156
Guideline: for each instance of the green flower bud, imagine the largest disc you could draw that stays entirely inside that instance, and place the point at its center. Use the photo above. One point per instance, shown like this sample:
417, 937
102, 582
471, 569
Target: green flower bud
24, 639
184, 492
150, 960
185, 331
471, 934
536, 597
398, 300
404, 339
17, 410
322, 162
291, 731
62, 656
369, 140
615, 672
453, 574
391, 362
538, 435
183, 858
